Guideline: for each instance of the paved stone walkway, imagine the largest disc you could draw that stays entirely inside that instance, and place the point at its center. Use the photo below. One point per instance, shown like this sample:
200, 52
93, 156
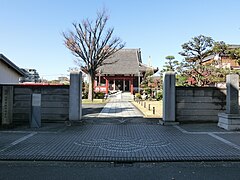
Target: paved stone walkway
116, 108
122, 141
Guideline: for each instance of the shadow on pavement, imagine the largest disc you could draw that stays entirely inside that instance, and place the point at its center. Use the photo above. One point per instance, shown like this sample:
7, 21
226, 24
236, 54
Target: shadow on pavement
89, 109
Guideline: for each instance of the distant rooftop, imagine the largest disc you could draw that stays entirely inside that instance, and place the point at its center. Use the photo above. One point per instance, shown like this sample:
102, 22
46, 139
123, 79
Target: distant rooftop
230, 46
9, 63
233, 46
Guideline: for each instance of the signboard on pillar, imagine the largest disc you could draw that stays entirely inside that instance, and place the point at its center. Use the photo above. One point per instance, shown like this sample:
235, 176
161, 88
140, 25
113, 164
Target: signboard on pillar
7, 105
36, 111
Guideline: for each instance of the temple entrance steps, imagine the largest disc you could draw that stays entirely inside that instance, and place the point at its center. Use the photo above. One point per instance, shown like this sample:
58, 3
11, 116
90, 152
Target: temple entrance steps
121, 96
116, 96
120, 109
127, 96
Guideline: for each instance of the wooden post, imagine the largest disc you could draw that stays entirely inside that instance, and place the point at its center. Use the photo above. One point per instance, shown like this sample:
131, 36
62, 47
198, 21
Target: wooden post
131, 86
107, 85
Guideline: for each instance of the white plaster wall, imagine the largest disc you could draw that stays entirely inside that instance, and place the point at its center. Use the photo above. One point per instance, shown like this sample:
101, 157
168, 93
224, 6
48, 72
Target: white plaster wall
8, 75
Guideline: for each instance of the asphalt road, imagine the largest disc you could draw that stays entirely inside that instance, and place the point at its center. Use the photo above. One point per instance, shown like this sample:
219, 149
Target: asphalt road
90, 170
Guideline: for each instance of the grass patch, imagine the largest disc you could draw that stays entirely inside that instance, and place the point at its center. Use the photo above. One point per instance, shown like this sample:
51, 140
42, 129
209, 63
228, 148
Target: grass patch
95, 101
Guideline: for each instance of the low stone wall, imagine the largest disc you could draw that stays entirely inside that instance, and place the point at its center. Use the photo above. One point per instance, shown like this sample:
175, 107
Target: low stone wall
54, 102
199, 104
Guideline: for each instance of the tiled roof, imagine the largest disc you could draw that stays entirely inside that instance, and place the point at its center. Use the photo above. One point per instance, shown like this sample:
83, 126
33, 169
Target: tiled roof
233, 46
125, 61
210, 57
144, 68
11, 65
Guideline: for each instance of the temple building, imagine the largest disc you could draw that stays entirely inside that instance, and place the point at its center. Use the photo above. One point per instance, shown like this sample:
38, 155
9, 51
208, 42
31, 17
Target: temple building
222, 60
124, 71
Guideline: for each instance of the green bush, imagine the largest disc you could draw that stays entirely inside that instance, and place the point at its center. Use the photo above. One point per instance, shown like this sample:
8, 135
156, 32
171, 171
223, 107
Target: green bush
148, 91
84, 95
138, 96
96, 95
159, 96
99, 95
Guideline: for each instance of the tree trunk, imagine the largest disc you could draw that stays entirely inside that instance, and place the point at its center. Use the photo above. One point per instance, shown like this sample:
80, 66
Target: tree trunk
91, 87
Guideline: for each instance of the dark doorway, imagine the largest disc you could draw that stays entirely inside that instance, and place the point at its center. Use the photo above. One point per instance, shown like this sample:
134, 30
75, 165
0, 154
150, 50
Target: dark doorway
127, 87
119, 85
111, 84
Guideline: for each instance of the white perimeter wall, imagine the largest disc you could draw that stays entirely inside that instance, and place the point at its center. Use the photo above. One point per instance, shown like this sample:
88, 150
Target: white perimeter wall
8, 75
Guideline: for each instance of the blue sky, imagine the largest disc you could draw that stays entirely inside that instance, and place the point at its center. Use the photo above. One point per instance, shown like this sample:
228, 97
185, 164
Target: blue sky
31, 30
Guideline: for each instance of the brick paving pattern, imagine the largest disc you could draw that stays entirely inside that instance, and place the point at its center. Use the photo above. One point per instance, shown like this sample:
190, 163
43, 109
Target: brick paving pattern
131, 142
119, 133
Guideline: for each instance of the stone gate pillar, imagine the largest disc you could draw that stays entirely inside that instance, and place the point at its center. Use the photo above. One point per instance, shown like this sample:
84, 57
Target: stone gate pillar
169, 99
230, 120
75, 96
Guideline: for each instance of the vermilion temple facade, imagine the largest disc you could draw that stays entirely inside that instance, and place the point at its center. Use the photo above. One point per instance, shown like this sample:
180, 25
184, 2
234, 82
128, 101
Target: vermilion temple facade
124, 72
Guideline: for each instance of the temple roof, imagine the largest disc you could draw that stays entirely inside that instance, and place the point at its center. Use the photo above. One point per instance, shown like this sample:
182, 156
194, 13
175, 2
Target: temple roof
124, 62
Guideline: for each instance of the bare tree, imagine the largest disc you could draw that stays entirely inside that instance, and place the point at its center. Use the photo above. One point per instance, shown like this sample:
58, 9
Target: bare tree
92, 44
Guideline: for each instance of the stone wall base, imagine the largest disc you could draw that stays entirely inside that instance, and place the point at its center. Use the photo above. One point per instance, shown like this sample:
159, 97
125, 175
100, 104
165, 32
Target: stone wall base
168, 123
229, 121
